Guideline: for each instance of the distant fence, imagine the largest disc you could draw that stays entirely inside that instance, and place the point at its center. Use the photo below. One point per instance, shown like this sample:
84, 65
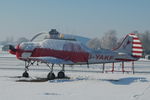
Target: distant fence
140, 66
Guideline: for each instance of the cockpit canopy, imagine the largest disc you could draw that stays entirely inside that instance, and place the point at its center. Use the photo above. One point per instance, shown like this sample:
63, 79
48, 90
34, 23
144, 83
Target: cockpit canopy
40, 37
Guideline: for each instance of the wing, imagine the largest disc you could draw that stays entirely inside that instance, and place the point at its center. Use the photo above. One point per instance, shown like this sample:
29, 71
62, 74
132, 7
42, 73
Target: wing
51, 60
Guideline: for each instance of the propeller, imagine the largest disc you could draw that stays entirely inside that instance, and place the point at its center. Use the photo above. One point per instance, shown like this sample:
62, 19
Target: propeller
12, 48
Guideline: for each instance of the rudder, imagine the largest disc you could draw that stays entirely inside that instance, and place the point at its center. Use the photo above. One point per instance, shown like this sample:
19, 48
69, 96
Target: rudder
131, 45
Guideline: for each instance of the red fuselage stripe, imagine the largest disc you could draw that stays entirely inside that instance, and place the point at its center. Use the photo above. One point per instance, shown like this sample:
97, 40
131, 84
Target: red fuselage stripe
65, 55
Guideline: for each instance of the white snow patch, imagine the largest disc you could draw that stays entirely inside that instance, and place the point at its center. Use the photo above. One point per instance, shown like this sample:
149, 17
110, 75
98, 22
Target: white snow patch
84, 84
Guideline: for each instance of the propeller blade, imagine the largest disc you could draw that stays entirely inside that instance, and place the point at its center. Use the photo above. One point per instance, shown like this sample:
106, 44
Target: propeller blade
12, 48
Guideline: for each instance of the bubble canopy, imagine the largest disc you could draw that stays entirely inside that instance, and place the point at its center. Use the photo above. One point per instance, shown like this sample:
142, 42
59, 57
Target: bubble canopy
39, 37
42, 36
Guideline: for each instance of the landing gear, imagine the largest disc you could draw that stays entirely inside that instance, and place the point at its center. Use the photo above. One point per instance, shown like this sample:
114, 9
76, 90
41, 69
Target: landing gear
27, 65
61, 74
52, 76
26, 74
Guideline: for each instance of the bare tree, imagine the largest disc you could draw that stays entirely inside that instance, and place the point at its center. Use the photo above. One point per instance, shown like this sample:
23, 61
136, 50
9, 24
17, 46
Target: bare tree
145, 39
94, 43
135, 31
109, 40
22, 39
10, 39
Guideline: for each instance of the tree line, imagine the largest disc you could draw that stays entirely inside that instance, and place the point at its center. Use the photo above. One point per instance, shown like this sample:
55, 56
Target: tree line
109, 40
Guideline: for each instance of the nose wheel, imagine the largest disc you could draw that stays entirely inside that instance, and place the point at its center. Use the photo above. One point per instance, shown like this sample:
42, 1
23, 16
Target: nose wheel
25, 74
27, 64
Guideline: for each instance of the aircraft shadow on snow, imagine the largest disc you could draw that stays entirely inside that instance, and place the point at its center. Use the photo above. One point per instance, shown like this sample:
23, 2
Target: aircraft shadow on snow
57, 80
121, 81
126, 81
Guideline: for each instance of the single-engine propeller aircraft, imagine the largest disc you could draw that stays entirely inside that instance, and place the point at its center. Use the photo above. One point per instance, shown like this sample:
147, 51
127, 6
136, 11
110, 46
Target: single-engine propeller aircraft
56, 49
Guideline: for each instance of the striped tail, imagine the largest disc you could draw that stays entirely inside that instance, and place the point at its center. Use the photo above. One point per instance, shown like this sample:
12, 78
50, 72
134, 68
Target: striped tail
137, 49
131, 45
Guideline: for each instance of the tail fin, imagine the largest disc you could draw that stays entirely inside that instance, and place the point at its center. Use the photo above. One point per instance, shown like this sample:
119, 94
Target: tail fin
131, 45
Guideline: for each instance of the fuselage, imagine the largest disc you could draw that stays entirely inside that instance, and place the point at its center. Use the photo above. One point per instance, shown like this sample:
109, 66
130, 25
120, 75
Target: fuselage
69, 50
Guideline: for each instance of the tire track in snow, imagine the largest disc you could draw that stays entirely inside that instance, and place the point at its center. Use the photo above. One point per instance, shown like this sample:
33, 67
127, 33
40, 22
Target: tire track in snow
137, 96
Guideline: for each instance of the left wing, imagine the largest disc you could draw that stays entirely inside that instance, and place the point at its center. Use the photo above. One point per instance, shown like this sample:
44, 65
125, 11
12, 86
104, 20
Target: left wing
52, 60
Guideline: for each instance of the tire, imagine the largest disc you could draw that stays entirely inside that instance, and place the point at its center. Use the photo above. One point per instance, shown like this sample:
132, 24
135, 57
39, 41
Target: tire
25, 74
61, 74
51, 76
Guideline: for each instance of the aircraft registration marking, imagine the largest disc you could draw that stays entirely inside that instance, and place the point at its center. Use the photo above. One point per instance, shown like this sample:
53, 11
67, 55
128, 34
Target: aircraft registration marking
101, 57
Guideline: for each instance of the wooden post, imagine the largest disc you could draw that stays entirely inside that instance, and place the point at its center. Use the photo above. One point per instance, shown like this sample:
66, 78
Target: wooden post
112, 67
133, 66
103, 67
123, 67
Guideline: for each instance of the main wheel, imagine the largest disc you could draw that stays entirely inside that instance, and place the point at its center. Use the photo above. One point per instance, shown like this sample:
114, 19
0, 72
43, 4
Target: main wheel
25, 74
51, 76
61, 74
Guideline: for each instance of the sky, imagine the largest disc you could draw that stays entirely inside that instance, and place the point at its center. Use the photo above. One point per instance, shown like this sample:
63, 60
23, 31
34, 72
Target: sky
89, 18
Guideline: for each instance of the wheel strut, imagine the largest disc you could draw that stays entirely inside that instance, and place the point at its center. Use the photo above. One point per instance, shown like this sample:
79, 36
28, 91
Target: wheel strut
26, 74
51, 75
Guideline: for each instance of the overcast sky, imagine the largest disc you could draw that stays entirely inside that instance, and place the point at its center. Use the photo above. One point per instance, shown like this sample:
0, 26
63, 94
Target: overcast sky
90, 18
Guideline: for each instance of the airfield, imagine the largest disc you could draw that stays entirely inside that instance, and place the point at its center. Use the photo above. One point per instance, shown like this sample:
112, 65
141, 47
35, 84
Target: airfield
84, 83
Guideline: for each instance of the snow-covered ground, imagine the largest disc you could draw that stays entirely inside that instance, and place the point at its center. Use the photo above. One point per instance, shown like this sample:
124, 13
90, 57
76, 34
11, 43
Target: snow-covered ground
84, 83
5, 54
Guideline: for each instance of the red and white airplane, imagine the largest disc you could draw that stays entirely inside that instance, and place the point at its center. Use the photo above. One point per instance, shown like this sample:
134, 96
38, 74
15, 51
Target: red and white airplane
58, 50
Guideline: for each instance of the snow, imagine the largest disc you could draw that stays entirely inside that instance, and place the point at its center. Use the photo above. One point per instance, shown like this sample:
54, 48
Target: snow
84, 84
5, 54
